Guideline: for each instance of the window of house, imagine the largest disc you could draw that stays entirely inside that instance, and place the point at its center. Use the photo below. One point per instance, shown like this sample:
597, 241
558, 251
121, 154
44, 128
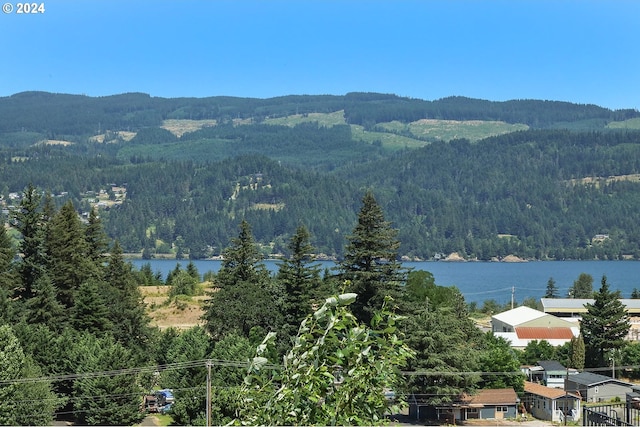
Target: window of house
502, 408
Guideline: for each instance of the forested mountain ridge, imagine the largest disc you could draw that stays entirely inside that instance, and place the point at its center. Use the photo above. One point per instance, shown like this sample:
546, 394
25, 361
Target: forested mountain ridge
275, 163
64, 114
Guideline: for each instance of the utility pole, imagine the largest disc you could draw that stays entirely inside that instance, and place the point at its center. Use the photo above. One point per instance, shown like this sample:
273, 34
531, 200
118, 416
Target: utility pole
208, 410
613, 367
513, 290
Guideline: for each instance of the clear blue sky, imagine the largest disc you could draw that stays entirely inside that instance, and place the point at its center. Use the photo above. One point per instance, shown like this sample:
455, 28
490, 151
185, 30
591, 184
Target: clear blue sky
578, 51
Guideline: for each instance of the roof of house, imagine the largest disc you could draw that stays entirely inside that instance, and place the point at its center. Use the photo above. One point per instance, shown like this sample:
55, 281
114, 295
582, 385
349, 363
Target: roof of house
591, 379
577, 304
551, 365
541, 333
500, 396
548, 392
518, 315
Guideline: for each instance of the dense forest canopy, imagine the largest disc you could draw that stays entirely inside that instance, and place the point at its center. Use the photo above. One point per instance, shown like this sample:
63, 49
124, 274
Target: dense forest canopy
566, 187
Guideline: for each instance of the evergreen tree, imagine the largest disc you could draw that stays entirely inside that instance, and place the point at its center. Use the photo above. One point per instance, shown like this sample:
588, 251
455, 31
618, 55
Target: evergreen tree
105, 399
447, 346
192, 270
577, 354
246, 298
28, 221
96, 237
44, 308
604, 326
370, 260
242, 261
127, 313
8, 277
22, 402
300, 279
68, 261
188, 383
552, 289
582, 287
91, 312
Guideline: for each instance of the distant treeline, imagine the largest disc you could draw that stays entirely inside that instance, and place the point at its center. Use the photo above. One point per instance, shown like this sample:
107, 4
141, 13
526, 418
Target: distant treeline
55, 115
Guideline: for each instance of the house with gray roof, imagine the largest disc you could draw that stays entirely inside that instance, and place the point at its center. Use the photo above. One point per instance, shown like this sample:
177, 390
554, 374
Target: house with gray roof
597, 388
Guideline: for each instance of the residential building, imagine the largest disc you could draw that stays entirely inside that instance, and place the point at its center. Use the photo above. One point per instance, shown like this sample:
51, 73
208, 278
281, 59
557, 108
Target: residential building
597, 388
551, 404
486, 404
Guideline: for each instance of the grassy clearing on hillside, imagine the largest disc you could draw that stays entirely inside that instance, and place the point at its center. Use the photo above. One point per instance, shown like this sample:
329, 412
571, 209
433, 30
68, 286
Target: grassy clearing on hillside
447, 130
182, 126
626, 124
323, 119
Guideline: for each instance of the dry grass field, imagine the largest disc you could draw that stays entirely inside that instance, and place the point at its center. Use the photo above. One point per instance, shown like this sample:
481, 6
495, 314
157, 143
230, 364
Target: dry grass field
181, 312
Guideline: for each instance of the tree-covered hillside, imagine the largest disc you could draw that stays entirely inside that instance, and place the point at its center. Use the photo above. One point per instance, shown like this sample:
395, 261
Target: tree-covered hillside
559, 192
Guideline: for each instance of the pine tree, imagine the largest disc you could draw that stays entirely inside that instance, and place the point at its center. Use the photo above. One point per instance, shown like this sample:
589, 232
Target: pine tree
44, 308
245, 298
552, 289
68, 261
22, 403
115, 399
90, 312
299, 277
242, 261
604, 326
96, 237
8, 277
127, 314
28, 220
370, 260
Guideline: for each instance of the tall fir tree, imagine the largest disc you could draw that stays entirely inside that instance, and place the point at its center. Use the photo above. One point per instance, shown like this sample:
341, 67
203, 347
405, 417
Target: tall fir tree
28, 220
90, 311
44, 308
245, 298
68, 261
242, 261
604, 326
96, 238
300, 279
370, 261
552, 289
8, 277
127, 314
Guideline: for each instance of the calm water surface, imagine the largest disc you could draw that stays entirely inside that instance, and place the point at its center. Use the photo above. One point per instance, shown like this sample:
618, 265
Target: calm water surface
480, 281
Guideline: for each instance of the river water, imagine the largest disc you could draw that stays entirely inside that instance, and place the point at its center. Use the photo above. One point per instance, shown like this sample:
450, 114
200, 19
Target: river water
480, 281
